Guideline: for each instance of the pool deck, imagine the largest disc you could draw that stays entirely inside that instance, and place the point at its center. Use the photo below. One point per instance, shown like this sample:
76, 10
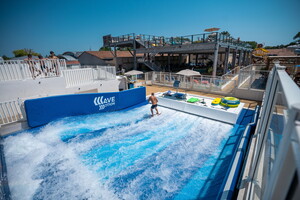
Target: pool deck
154, 88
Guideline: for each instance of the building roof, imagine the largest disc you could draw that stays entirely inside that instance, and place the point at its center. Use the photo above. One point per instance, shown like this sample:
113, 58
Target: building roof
72, 62
66, 57
109, 54
74, 54
281, 52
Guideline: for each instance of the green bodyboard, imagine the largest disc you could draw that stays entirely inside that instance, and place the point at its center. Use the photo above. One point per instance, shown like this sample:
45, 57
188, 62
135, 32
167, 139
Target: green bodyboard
193, 100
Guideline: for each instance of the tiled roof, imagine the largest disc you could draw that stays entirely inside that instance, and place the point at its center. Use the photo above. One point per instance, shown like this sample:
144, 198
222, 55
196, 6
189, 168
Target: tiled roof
108, 54
72, 62
281, 52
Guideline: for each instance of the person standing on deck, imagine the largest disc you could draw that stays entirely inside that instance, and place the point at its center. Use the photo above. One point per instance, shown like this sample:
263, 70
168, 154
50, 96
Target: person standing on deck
154, 102
29, 60
41, 60
54, 68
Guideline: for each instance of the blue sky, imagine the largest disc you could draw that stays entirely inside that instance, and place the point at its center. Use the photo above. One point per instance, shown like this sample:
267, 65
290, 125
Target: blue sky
78, 25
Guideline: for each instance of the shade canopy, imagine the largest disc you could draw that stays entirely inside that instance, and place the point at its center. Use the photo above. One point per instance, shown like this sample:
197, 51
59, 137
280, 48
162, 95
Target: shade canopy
188, 72
133, 72
211, 29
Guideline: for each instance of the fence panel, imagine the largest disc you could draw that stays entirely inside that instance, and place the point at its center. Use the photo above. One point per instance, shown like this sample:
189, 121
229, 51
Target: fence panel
30, 69
75, 77
10, 112
200, 83
106, 72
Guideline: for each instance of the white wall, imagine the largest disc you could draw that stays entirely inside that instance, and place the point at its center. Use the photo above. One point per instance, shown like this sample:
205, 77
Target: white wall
12, 90
256, 95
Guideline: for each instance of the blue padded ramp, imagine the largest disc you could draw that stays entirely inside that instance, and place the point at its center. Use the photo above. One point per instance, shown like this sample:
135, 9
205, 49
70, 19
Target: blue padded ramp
44, 110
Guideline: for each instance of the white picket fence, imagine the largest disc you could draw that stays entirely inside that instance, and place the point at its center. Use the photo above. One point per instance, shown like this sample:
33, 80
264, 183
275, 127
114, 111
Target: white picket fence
30, 69
76, 77
106, 72
10, 111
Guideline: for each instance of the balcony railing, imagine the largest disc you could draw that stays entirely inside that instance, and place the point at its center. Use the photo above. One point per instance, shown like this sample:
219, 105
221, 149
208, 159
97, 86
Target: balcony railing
154, 41
197, 83
30, 69
10, 111
76, 77
272, 167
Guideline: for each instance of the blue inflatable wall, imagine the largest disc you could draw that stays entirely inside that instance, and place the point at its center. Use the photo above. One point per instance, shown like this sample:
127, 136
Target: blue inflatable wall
44, 110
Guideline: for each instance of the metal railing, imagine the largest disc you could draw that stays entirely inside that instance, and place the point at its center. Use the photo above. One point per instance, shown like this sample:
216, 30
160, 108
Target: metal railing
232, 73
76, 77
198, 83
123, 38
30, 69
10, 111
154, 41
273, 162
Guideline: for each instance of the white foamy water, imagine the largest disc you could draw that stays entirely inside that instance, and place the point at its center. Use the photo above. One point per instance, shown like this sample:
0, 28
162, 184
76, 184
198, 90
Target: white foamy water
120, 155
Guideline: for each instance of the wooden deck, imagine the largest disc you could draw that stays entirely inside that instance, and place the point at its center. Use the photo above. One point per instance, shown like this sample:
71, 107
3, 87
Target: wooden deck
155, 88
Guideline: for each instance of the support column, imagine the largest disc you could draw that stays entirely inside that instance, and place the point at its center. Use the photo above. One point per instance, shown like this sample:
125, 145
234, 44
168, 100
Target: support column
240, 57
250, 58
227, 51
189, 59
249, 54
162, 62
134, 54
216, 52
234, 58
196, 59
244, 58
153, 61
115, 57
169, 63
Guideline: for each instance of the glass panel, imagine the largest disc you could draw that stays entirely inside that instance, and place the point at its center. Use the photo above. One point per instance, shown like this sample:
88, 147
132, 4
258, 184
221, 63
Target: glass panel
277, 124
259, 79
244, 78
278, 118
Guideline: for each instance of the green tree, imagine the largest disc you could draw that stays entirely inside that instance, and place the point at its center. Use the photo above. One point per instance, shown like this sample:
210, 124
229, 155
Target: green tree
5, 57
253, 44
225, 33
24, 52
105, 49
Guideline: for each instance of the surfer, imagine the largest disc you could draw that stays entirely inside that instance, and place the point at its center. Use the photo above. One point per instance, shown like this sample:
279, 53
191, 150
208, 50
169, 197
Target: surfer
154, 101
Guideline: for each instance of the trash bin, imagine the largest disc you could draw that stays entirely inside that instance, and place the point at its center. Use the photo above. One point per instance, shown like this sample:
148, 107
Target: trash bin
131, 85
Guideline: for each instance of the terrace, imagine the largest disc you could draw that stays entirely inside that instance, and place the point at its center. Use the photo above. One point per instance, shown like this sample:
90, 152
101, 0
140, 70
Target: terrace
214, 43
149, 41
